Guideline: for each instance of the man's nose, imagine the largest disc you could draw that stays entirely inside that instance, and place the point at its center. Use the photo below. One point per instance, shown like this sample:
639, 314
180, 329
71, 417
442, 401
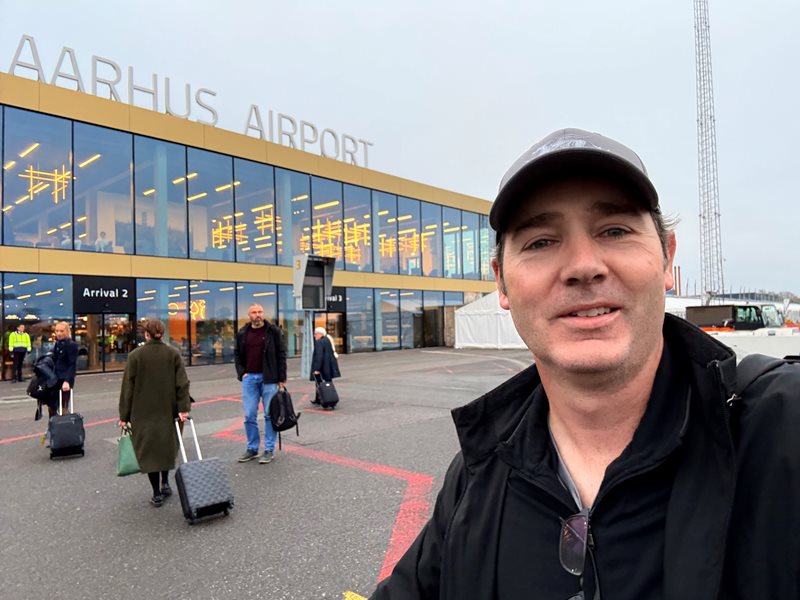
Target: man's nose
582, 261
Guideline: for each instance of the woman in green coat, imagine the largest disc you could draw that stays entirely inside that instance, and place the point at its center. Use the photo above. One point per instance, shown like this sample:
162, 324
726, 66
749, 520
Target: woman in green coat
155, 391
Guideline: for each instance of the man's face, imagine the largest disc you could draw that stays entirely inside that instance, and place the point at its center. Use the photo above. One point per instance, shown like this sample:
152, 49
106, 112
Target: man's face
585, 277
61, 332
256, 314
20, 328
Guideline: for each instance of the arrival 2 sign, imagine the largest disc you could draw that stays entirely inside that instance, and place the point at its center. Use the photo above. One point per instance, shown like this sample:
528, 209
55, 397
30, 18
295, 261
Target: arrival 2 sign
103, 294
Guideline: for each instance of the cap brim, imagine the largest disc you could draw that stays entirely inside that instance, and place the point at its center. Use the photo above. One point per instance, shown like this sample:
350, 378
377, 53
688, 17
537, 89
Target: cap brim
570, 162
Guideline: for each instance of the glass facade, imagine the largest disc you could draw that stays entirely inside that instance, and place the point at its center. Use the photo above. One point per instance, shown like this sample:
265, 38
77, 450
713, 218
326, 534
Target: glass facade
357, 231
103, 195
37, 180
254, 219
431, 239
77, 186
408, 236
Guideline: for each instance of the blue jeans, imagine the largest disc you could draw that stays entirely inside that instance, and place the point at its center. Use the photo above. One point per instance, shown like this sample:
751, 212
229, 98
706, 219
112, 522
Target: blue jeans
254, 392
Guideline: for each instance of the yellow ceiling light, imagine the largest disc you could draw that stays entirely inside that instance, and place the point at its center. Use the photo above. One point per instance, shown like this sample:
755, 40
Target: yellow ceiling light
238, 214
9, 165
81, 236
298, 198
82, 219
23, 297
431, 226
245, 249
65, 225
149, 192
45, 293
89, 160
27, 281
452, 229
51, 231
327, 205
383, 212
7, 208
145, 299
404, 218
148, 292
197, 196
222, 188
226, 289
174, 295
178, 180
191, 175
259, 294
29, 149
198, 292
262, 207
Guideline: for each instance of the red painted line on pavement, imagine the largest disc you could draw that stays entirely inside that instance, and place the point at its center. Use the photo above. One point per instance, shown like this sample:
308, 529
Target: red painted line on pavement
104, 421
413, 512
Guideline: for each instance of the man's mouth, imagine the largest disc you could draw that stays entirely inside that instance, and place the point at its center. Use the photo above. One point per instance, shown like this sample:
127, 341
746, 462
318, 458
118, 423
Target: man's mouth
592, 312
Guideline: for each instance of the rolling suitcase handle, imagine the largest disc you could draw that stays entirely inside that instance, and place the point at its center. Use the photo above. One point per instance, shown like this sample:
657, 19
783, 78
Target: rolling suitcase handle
180, 439
60, 403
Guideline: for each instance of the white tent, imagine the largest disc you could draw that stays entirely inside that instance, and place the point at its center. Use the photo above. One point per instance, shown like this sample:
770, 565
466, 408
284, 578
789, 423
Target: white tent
483, 324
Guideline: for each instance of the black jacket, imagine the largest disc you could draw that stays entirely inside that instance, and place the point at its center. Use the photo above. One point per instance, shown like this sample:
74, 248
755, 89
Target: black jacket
274, 360
324, 361
731, 530
65, 356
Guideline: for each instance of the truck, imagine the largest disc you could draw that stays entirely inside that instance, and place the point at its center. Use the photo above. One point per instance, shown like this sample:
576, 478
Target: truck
734, 317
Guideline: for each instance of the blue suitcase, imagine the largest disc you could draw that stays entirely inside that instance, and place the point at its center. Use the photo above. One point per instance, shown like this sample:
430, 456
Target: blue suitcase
202, 484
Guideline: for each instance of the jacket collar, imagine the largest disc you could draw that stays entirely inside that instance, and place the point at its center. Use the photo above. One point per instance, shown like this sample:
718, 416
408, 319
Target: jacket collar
492, 418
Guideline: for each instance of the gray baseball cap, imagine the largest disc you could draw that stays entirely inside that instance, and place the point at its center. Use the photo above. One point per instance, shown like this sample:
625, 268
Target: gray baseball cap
564, 153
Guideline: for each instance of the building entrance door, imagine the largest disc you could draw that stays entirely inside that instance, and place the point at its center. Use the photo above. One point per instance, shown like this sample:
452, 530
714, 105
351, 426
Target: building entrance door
334, 324
104, 341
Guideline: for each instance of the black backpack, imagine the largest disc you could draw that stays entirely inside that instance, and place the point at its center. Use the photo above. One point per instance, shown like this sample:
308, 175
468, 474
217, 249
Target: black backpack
281, 413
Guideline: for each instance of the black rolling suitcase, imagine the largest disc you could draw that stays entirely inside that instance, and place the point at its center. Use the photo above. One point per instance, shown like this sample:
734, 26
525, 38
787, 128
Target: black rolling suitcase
202, 484
327, 395
66, 432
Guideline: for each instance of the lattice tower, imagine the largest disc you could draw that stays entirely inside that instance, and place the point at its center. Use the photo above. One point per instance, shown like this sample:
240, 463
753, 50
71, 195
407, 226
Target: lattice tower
710, 235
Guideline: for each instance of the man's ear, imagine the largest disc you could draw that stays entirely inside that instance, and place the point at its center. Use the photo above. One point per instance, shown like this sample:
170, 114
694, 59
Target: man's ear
669, 274
501, 285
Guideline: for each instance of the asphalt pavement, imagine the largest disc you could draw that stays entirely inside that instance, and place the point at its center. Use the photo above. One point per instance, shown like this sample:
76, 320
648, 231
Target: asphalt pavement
326, 519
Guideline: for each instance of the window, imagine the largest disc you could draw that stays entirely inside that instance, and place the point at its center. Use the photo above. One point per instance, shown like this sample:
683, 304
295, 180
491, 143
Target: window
265, 294
357, 232
160, 209
326, 228
210, 197
470, 244
453, 298
293, 227
431, 239
103, 190
212, 321
168, 301
254, 219
487, 248
360, 320
290, 320
408, 230
387, 325
451, 238
38, 302
384, 234
411, 319
37, 180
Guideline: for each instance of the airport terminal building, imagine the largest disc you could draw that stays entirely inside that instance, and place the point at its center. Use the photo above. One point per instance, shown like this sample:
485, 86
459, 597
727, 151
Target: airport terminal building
113, 213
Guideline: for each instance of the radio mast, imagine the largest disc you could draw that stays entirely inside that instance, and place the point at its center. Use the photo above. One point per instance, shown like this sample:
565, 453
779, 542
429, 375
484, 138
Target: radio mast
710, 237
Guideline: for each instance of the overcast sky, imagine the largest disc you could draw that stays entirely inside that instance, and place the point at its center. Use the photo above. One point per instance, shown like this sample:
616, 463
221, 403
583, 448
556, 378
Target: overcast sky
451, 93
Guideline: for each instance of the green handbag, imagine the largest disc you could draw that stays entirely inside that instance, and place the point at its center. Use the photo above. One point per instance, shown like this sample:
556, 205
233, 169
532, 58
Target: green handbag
126, 457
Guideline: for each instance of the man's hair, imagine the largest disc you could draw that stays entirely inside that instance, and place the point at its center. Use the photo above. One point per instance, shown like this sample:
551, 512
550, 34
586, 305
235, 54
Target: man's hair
664, 226
254, 304
154, 328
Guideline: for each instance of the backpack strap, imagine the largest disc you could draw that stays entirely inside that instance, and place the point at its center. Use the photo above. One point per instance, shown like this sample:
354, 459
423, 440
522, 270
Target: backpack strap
749, 369
752, 367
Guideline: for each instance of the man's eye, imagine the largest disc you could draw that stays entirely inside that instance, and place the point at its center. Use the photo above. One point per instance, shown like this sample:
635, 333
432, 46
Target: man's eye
615, 232
538, 244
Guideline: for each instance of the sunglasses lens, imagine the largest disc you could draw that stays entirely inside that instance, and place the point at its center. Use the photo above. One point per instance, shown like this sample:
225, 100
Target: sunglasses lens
572, 545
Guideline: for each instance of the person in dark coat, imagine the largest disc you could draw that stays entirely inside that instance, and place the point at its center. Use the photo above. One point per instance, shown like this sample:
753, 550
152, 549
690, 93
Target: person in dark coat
155, 391
65, 359
626, 462
324, 366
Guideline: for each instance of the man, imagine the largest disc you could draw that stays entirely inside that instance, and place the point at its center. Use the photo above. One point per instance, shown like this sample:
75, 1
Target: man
260, 358
101, 244
20, 344
616, 466
65, 359
324, 363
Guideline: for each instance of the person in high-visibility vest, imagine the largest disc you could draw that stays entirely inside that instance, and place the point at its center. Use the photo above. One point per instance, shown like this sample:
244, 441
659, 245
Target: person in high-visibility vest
20, 344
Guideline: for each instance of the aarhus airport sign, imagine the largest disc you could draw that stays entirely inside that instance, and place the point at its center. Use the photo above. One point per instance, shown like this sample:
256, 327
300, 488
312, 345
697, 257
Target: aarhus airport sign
108, 80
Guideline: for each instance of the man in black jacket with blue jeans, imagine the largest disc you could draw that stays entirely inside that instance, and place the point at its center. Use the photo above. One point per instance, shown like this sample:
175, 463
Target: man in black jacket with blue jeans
260, 359
622, 464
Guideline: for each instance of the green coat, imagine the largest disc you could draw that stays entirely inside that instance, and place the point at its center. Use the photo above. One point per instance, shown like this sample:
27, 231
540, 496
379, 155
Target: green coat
155, 388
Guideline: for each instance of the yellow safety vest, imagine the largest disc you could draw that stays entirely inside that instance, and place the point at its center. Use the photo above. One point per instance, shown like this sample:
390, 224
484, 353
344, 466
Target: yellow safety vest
19, 340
